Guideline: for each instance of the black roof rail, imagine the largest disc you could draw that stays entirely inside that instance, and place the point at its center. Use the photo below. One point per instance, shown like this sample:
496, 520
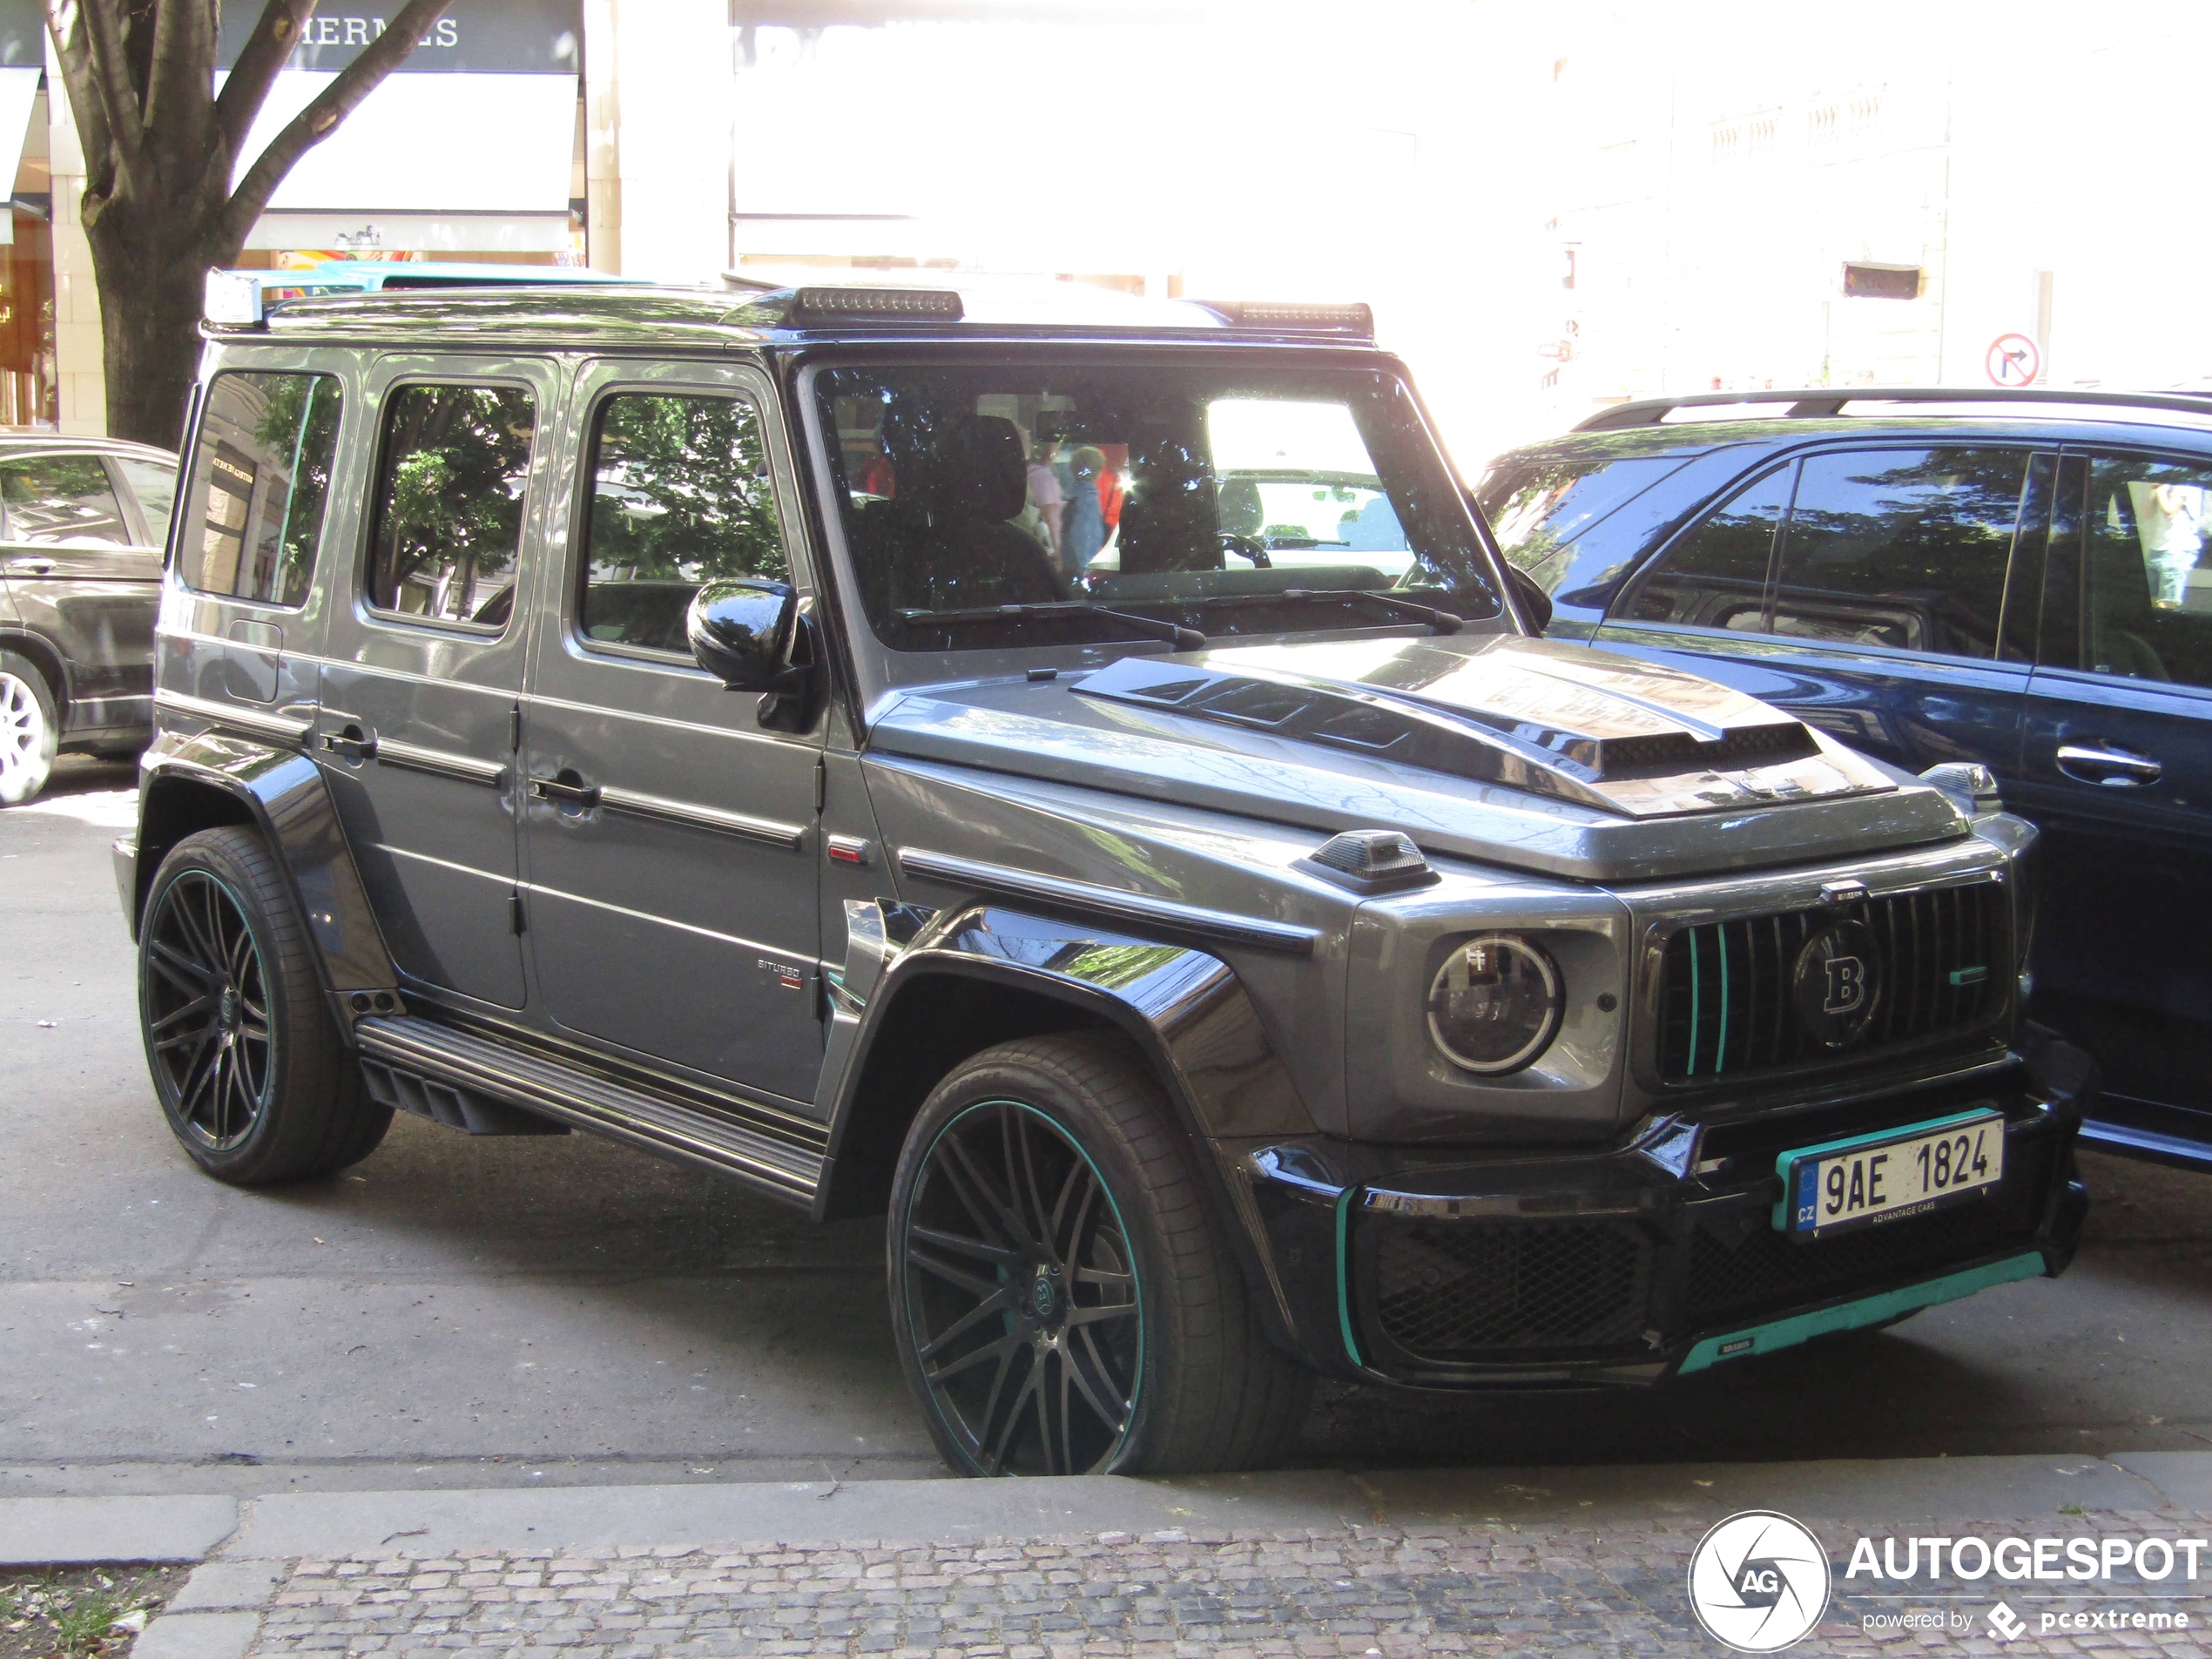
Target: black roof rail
1815, 401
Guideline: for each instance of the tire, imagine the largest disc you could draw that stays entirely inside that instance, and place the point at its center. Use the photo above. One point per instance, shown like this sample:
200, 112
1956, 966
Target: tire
30, 729
247, 1063
1088, 1316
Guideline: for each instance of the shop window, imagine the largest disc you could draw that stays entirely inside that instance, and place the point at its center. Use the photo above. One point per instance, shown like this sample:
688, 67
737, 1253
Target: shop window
260, 477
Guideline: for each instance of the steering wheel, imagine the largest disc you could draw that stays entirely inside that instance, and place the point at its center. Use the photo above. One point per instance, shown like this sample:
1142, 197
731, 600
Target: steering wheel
1246, 547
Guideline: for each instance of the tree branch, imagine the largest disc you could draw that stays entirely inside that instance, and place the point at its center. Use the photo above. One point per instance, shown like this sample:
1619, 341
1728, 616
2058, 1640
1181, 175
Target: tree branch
267, 50
355, 82
185, 37
112, 76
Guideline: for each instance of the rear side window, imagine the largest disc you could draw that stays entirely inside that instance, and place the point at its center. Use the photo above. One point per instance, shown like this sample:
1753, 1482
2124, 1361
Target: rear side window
2146, 605
1715, 576
62, 501
155, 486
1905, 547
260, 477
680, 497
449, 491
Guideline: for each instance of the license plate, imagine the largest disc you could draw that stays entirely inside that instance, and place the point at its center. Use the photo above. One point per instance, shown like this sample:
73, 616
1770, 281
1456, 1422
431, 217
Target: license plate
1873, 1179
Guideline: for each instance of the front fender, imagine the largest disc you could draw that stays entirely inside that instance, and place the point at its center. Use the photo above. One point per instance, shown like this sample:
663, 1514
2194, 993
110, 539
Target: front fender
282, 792
1185, 1010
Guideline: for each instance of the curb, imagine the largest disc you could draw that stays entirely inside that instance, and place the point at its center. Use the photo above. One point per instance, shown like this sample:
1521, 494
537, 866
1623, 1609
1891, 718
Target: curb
236, 1536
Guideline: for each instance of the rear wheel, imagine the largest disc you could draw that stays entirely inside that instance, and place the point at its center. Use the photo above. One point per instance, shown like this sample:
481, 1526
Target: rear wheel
29, 729
1063, 1298
247, 1061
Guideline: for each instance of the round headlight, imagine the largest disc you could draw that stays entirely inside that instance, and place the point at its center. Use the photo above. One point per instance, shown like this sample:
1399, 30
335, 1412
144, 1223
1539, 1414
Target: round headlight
1494, 1005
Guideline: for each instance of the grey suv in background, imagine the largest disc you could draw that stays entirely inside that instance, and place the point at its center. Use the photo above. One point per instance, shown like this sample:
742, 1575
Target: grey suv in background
656, 713
82, 524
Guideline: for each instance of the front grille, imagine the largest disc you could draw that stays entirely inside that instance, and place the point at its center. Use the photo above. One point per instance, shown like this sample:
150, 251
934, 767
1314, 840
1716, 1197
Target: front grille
1766, 1273
1726, 989
1456, 1291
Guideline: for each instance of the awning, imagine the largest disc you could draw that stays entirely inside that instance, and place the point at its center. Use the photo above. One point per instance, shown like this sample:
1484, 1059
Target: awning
447, 163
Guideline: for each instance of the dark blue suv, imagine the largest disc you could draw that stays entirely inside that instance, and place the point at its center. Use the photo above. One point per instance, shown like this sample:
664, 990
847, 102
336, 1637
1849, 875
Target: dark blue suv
1941, 575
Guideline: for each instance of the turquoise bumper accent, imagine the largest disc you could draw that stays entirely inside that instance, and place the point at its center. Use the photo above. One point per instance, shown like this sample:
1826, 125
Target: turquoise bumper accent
1787, 1333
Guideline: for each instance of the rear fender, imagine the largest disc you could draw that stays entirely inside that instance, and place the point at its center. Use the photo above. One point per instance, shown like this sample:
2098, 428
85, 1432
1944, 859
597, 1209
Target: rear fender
194, 782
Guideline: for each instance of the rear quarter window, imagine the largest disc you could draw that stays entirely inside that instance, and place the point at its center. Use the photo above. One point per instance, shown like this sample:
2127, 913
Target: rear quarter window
259, 482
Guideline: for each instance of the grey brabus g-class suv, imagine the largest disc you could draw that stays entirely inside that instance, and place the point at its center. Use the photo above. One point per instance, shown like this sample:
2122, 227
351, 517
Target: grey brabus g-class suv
1072, 781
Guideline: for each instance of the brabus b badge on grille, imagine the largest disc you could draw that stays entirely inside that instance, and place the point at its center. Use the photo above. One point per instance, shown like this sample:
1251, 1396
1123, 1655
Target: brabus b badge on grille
1838, 983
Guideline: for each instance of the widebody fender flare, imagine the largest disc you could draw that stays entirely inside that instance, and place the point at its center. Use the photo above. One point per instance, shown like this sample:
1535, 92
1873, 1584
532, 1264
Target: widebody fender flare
1183, 1008
282, 792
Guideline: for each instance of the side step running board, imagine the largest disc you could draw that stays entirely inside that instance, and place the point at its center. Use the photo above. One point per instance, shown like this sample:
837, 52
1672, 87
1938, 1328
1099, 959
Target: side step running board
422, 1049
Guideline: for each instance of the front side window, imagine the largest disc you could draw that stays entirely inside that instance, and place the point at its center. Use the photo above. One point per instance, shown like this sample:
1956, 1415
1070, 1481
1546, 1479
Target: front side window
62, 501
1715, 576
680, 495
1009, 506
2145, 606
450, 497
1905, 547
260, 479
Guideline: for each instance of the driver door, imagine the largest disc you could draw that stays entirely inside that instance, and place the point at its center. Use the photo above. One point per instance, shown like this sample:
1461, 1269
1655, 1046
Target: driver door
669, 833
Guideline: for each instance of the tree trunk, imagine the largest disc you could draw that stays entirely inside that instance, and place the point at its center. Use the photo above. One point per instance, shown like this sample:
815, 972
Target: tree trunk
149, 259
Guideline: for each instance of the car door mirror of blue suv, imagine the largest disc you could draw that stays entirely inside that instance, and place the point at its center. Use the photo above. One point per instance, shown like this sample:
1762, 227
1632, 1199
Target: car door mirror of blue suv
1530, 599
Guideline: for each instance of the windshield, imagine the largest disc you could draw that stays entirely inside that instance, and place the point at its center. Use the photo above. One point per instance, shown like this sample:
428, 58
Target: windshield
1537, 504
1231, 500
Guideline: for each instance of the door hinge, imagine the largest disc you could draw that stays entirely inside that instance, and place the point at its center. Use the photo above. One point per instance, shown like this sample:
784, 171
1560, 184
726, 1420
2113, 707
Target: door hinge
515, 916
821, 782
515, 730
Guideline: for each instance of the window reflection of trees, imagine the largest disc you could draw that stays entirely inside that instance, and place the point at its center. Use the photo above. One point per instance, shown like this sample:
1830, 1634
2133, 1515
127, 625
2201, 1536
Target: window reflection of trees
449, 508
683, 493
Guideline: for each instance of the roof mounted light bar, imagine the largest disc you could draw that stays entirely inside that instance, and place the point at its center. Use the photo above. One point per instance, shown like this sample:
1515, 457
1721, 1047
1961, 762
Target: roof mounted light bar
232, 300
879, 305
1295, 316
1821, 402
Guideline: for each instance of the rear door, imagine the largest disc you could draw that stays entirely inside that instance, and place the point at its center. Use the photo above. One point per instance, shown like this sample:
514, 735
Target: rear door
2118, 773
670, 828
421, 686
1868, 591
83, 579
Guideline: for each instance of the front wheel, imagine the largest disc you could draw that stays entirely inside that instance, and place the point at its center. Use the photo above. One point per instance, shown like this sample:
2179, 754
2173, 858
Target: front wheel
1061, 1296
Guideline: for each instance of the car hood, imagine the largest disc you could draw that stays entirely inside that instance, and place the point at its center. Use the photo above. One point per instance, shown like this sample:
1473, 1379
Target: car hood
1510, 751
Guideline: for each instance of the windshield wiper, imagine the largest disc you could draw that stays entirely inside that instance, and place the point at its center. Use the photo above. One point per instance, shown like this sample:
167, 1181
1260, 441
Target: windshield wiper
1150, 627
1445, 622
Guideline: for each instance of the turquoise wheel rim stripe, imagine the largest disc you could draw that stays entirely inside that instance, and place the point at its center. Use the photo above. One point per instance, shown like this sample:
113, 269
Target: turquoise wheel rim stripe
1054, 1127
1344, 1273
1851, 1315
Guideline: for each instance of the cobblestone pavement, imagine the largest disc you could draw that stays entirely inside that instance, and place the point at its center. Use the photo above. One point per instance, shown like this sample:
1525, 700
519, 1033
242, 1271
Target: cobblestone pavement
1497, 1589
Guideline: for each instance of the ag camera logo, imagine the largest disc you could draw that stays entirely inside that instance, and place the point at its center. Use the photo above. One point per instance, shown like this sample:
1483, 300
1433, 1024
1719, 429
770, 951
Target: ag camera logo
1758, 1581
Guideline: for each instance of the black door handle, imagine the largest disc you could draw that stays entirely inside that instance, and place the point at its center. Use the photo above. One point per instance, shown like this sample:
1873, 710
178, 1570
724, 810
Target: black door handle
582, 796
352, 743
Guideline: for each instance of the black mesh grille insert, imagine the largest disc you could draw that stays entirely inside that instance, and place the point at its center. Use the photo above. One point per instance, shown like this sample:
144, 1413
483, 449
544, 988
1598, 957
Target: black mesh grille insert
1457, 1290
1726, 995
1766, 1273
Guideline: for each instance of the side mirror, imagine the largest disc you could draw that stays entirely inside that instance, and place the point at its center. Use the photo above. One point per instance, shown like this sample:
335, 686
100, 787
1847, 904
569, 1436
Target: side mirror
1529, 593
748, 633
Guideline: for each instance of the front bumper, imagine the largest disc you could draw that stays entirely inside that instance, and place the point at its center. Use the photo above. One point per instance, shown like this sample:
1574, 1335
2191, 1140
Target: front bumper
1646, 1261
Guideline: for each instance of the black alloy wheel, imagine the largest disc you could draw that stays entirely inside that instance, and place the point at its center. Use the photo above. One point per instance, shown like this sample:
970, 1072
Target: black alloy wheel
208, 1032
249, 1065
1021, 1292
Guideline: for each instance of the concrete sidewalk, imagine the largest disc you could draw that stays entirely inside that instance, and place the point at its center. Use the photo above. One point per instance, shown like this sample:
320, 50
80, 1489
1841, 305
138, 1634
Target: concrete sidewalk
1584, 1561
